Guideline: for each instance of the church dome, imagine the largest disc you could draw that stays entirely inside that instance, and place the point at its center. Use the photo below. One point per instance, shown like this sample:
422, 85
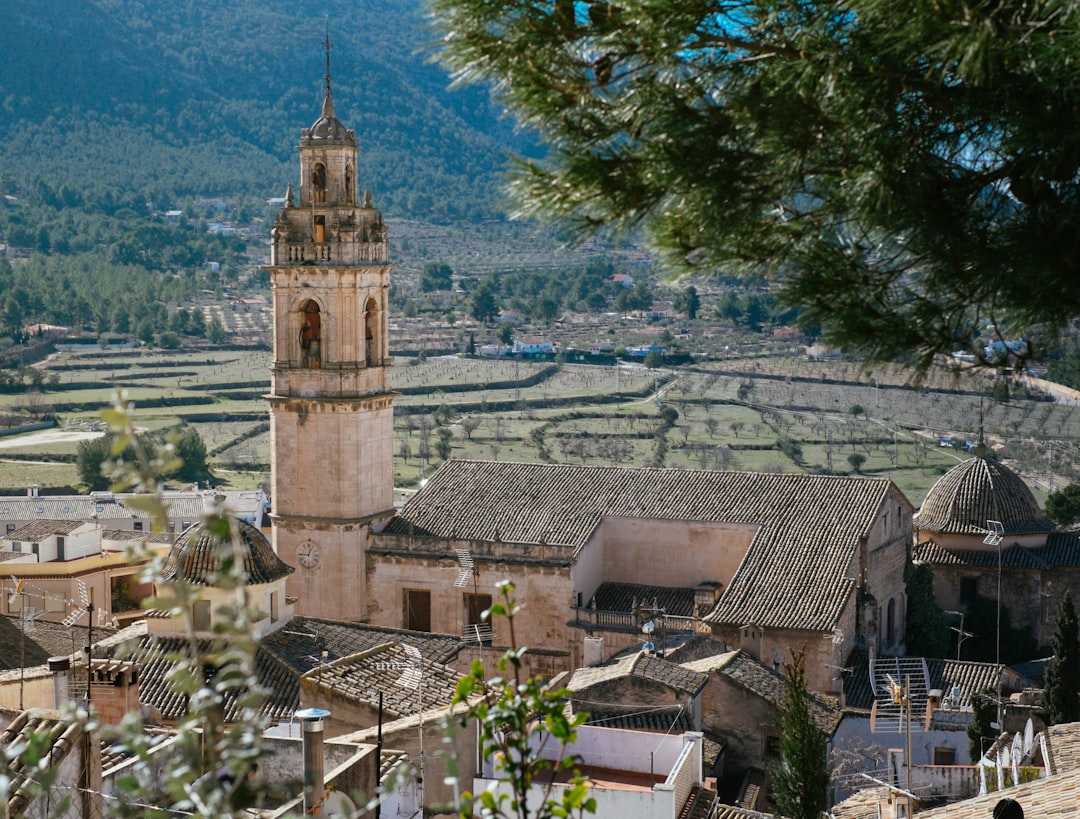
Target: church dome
975, 491
197, 556
328, 128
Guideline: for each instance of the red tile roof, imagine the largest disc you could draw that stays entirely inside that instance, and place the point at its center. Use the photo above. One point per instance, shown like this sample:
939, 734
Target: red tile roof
796, 574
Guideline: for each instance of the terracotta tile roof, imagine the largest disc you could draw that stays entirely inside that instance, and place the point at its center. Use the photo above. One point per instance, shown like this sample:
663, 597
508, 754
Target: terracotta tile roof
861, 804
732, 812
1063, 743
137, 537
795, 574
662, 719
198, 555
1062, 549
388, 669
301, 641
623, 597
39, 529
642, 666
754, 676
978, 490
156, 658
62, 734
944, 674
1055, 796
43, 639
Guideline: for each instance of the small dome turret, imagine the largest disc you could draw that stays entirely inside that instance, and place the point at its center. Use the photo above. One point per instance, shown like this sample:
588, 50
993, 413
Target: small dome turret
197, 556
978, 490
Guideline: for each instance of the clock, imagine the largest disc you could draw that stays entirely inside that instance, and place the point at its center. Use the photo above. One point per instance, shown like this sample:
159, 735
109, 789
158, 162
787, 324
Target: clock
308, 554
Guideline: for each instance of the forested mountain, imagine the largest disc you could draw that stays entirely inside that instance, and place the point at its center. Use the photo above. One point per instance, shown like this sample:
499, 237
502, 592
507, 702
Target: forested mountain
126, 101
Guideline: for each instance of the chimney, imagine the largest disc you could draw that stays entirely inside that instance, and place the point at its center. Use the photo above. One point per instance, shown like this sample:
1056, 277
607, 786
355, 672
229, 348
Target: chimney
593, 651
61, 671
314, 764
32, 490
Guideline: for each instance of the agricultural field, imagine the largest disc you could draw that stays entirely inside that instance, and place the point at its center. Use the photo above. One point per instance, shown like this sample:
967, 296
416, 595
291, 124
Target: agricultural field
776, 413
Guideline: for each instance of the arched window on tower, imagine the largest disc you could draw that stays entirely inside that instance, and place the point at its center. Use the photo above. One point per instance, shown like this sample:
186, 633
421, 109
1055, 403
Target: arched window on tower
318, 183
350, 185
310, 335
371, 333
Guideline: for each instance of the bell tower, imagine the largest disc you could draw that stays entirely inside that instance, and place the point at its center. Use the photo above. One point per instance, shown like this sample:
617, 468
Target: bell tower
331, 406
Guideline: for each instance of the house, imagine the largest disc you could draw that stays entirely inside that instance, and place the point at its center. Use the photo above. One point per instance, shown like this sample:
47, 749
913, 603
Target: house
625, 279
533, 344
55, 568
770, 562
115, 510
631, 773
731, 697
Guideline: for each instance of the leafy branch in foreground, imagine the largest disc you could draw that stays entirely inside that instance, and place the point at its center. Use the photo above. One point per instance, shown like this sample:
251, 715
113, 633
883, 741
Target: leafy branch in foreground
516, 720
907, 175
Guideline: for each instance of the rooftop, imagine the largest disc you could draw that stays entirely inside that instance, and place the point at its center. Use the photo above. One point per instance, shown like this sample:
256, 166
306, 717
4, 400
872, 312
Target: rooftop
809, 525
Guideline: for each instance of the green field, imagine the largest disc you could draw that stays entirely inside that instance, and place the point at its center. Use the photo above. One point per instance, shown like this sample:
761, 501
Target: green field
771, 413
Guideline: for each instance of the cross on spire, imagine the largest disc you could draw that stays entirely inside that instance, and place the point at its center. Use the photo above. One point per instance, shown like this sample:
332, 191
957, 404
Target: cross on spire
328, 47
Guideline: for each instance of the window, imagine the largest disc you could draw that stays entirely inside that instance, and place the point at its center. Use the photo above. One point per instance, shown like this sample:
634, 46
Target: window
969, 589
59, 549
944, 756
475, 606
274, 613
417, 610
200, 615
137, 526
10, 528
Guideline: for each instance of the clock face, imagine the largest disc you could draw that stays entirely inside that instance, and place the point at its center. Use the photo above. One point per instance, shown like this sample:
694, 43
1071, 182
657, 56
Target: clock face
308, 554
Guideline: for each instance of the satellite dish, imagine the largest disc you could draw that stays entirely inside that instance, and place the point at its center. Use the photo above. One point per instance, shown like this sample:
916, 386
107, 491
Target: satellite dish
338, 804
1029, 738
649, 648
1005, 758
1017, 748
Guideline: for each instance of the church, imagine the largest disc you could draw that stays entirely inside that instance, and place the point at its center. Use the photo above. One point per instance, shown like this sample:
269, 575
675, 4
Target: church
771, 563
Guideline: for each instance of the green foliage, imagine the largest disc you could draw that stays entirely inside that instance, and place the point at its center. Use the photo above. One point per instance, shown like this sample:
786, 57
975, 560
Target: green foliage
1061, 698
180, 455
925, 632
800, 778
484, 305
979, 731
511, 714
506, 333
654, 359
436, 276
856, 461
905, 176
1017, 644
689, 302
1063, 506
107, 134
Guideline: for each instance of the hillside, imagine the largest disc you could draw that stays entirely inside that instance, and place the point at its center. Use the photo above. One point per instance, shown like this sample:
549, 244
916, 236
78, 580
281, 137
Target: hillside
127, 101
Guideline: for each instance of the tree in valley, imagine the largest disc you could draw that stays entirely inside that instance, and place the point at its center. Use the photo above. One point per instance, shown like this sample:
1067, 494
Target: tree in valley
1061, 699
1063, 506
856, 460
921, 185
484, 304
689, 302
436, 276
800, 777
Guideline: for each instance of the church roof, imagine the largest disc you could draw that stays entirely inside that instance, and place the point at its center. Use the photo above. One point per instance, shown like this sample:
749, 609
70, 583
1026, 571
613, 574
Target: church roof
975, 491
1062, 549
796, 573
198, 555
328, 128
